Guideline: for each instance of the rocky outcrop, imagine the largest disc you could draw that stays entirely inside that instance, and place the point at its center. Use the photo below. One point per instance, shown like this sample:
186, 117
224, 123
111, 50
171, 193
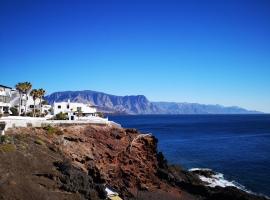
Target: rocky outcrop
77, 162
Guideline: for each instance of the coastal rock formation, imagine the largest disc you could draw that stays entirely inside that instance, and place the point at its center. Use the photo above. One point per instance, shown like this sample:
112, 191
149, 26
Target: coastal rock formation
77, 162
139, 104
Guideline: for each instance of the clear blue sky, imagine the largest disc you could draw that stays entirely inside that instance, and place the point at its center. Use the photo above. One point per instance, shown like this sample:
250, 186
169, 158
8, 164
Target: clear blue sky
214, 52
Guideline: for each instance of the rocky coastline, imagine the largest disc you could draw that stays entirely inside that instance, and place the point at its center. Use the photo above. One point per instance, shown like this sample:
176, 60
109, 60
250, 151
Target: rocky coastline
79, 161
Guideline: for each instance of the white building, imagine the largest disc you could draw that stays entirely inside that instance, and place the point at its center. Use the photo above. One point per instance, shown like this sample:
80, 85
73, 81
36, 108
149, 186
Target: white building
73, 109
27, 102
5, 98
11, 98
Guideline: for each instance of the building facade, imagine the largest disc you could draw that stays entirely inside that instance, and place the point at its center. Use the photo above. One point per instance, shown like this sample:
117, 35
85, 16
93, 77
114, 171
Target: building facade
74, 109
5, 98
11, 98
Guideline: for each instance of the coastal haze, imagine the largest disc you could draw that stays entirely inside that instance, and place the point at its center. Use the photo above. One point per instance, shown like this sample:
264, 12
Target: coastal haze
139, 104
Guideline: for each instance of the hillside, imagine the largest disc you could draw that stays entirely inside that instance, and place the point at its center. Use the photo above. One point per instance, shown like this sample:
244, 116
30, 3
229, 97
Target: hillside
78, 162
139, 104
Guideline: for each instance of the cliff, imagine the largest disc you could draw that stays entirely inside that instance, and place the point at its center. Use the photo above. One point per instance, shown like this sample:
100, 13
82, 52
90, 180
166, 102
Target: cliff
139, 104
77, 162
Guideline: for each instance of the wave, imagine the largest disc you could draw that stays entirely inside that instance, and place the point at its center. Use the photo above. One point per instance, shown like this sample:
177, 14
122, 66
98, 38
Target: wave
213, 179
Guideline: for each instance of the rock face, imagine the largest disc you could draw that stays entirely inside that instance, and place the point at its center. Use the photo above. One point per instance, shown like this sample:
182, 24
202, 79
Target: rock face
29, 169
139, 104
76, 162
106, 102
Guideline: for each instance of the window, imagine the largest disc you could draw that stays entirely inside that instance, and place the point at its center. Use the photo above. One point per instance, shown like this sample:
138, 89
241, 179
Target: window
4, 99
31, 106
79, 109
67, 106
59, 107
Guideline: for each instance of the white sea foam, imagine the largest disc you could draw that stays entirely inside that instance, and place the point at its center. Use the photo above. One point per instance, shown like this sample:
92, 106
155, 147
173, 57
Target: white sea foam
217, 179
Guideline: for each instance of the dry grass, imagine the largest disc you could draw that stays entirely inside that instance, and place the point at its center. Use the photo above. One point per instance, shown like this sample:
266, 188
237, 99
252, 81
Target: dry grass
7, 148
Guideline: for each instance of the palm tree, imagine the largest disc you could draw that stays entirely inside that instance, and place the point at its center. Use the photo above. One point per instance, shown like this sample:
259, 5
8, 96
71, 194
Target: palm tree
19, 87
28, 87
35, 94
23, 88
41, 93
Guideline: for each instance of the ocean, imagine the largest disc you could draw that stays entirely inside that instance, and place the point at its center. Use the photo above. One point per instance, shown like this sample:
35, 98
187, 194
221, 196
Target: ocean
238, 146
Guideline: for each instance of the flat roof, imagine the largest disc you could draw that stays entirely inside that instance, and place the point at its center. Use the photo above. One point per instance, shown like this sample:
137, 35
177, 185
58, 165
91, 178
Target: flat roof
3, 86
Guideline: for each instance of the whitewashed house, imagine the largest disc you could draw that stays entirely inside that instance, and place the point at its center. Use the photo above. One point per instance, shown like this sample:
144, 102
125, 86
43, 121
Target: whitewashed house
11, 98
5, 98
27, 102
73, 109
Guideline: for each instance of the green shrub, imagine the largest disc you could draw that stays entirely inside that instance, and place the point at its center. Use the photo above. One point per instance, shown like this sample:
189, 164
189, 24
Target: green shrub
30, 114
61, 116
6, 148
14, 111
50, 130
39, 142
4, 139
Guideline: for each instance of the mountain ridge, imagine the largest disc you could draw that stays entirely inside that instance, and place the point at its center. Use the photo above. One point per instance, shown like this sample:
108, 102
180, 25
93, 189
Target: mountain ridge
139, 104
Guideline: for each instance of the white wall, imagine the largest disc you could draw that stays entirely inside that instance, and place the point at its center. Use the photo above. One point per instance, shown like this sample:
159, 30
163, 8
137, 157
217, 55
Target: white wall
69, 107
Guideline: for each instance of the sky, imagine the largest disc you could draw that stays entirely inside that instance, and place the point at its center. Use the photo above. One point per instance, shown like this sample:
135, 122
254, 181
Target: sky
211, 52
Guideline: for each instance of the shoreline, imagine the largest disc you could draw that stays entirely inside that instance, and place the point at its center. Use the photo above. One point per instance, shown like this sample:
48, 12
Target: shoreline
117, 156
213, 179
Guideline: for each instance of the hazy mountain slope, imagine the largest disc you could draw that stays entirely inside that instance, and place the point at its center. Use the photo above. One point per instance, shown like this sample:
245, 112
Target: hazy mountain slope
139, 104
106, 102
195, 108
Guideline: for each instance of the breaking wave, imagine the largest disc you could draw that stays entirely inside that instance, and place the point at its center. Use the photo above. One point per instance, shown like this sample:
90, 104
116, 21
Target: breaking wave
213, 179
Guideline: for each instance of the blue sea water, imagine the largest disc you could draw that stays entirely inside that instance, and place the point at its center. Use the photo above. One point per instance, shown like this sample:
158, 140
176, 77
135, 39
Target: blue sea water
237, 146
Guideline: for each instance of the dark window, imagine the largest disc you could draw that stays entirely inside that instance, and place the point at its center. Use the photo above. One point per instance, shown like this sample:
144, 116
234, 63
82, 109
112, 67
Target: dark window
67, 106
59, 107
31, 106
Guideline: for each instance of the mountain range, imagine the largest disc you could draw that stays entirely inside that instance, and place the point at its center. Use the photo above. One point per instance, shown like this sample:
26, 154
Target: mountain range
139, 104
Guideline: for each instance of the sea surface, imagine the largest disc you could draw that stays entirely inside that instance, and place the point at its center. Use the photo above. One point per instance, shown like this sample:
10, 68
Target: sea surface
238, 146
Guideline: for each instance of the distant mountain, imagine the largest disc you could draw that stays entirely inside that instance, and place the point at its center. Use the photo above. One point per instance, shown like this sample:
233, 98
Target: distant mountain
139, 104
195, 108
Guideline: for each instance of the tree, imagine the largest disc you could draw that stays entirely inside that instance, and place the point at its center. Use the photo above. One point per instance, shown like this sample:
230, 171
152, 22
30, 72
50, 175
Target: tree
28, 87
23, 88
35, 94
41, 93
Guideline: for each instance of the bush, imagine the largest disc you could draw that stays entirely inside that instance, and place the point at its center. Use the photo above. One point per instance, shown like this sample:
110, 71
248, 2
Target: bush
30, 114
4, 139
61, 116
5, 148
14, 111
50, 130
39, 142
